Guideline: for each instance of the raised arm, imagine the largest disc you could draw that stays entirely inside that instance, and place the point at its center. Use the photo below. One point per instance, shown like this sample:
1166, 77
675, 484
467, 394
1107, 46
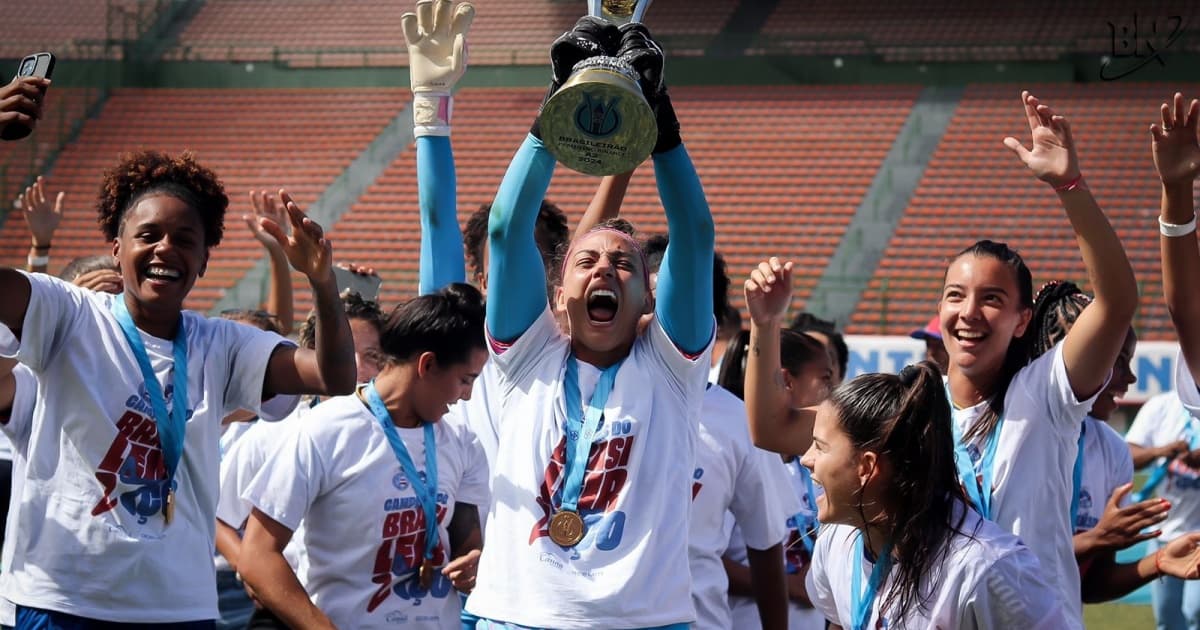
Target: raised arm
42, 218
684, 292
436, 38
1177, 159
606, 203
330, 369
768, 294
516, 277
1092, 345
280, 302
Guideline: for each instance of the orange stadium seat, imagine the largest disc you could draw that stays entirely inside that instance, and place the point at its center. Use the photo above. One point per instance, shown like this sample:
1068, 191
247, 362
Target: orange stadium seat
975, 188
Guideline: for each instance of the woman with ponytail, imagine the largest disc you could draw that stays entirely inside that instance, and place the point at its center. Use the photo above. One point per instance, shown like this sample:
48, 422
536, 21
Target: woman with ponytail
1104, 522
900, 547
387, 492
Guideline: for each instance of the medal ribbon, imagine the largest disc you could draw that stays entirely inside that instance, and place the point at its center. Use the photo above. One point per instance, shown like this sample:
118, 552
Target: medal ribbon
807, 525
581, 428
1077, 476
172, 427
1192, 435
979, 491
861, 602
426, 491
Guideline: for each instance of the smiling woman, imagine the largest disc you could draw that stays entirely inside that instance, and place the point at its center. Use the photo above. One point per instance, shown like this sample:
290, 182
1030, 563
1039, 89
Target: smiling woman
138, 390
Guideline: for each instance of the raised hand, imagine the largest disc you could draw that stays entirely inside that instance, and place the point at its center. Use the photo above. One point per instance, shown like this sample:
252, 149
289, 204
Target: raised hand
644, 55
1174, 144
769, 291
591, 37
437, 44
40, 214
307, 249
1121, 527
461, 571
265, 206
1181, 557
1052, 159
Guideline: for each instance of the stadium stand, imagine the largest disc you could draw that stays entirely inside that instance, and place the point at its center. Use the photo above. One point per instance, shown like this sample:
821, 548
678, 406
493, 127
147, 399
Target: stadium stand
297, 139
74, 29
790, 187
367, 32
975, 188
19, 161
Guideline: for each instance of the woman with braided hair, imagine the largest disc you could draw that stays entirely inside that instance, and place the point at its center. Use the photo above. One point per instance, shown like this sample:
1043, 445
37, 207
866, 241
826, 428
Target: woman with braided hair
1105, 521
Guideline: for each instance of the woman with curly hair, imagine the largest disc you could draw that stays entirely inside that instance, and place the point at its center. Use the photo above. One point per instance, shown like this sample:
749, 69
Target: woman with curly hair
118, 501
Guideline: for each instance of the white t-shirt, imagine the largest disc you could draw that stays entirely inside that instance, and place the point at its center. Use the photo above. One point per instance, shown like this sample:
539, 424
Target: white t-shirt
17, 430
631, 568
1107, 465
1185, 386
245, 457
988, 580
479, 416
364, 527
93, 541
799, 508
729, 478
1033, 476
1164, 419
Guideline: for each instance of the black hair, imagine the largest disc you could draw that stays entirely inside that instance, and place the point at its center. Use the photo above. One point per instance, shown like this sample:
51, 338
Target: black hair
807, 322
355, 307
550, 231
1057, 305
139, 175
656, 246
906, 419
796, 349
448, 323
260, 319
87, 264
1020, 348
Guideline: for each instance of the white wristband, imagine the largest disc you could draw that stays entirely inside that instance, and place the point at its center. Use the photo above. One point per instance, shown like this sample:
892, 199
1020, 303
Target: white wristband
431, 113
38, 261
1172, 230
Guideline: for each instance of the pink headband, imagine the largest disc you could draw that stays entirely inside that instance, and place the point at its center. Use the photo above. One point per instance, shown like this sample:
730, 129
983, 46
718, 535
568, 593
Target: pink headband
562, 272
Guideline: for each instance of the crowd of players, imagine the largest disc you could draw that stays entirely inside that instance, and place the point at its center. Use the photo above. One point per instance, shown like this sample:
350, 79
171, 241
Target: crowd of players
603, 445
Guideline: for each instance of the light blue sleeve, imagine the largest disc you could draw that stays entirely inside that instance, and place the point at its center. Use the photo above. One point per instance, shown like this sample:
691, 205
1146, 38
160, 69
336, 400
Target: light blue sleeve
685, 279
441, 240
516, 277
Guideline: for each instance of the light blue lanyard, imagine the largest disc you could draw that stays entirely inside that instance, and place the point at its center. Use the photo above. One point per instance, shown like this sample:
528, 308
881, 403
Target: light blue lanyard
172, 427
861, 602
1077, 477
807, 526
426, 491
979, 490
1190, 432
581, 428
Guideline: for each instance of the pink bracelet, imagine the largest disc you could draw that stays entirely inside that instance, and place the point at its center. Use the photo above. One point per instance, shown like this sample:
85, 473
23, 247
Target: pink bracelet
1072, 185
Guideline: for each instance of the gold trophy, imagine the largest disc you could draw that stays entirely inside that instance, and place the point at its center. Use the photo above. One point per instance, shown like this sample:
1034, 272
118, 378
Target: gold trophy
598, 122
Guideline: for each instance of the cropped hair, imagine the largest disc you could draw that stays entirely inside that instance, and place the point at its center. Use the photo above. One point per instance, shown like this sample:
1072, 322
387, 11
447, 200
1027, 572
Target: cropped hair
139, 175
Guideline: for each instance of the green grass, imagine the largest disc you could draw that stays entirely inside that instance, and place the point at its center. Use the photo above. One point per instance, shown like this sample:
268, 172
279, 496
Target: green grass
1118, 617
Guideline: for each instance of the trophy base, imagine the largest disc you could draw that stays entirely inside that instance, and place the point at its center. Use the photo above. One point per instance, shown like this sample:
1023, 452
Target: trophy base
598, 123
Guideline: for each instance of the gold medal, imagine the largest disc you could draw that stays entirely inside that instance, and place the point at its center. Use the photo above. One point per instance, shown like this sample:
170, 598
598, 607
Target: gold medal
169, 507
566, 528
425, 574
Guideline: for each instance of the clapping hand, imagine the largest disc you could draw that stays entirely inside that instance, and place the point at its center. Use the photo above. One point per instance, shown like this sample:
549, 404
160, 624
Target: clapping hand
1052, 159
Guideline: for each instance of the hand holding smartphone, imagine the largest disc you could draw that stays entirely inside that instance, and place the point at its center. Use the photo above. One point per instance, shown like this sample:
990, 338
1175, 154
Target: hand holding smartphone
21, 100
365, 285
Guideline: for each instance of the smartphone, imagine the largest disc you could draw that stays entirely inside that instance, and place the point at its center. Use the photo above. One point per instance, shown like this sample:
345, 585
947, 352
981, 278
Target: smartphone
37, 65
367, 287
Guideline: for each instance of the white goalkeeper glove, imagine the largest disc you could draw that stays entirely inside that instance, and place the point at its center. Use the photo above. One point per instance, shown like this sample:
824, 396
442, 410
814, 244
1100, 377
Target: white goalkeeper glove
437, 58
